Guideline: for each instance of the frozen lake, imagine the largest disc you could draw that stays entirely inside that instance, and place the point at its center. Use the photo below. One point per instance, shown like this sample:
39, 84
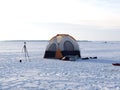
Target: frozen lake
50, 74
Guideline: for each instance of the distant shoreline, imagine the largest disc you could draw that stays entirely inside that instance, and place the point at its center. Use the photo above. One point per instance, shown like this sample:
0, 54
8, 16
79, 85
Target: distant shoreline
25, 41
48, 41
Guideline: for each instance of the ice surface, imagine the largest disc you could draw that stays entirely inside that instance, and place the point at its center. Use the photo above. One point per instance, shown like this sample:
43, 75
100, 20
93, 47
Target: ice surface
50, 74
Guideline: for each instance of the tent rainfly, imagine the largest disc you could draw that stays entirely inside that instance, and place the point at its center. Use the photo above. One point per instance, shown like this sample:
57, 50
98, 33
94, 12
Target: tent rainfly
62, 45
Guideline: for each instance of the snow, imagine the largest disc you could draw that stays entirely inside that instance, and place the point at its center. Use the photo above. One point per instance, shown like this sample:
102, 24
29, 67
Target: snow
50, 74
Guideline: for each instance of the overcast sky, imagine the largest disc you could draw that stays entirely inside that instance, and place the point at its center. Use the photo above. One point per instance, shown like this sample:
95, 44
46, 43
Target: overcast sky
42, 19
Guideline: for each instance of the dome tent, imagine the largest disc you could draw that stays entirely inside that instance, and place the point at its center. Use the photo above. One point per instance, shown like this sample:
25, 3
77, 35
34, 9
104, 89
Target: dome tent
62, 45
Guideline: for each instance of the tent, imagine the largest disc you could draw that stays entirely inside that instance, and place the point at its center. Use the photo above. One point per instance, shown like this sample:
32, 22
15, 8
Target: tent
62, 45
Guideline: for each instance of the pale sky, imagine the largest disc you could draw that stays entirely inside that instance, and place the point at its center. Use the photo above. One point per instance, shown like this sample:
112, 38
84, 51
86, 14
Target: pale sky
43, 19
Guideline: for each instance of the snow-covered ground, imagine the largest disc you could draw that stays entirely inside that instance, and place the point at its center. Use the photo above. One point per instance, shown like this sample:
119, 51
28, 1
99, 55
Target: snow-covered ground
50, 74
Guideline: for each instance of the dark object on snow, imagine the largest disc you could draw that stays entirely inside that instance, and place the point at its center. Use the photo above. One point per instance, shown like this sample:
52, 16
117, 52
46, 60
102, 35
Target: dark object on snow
105, 42
116, 64
93, 57
65, 58
20, 61
86, 58
69, 58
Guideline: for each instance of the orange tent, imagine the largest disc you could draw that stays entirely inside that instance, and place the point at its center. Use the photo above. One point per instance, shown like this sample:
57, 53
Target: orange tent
62, 45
